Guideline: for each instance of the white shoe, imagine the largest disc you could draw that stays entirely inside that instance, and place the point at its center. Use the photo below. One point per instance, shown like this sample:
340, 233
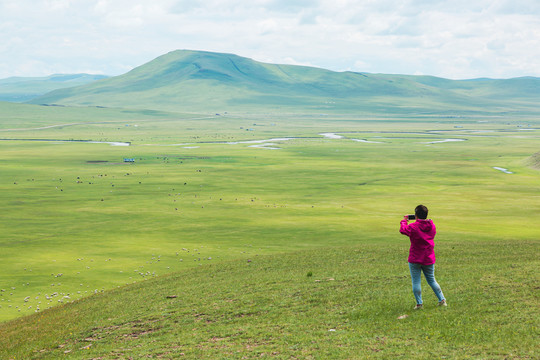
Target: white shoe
442, 303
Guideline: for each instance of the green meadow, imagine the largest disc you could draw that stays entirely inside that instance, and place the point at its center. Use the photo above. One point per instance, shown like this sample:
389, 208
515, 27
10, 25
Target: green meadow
245, 235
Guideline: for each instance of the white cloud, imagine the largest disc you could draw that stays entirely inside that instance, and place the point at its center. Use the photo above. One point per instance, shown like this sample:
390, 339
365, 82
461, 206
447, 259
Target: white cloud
455, 39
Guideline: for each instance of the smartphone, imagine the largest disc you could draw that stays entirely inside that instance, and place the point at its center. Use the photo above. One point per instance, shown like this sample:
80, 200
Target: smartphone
411, 217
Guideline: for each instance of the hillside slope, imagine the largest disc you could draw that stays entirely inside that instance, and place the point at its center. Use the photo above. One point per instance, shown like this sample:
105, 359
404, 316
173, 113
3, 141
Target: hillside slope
206, 81
334, 303
21, 89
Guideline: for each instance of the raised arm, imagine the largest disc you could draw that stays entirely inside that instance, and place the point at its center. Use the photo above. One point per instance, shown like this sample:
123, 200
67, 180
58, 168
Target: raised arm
404, 226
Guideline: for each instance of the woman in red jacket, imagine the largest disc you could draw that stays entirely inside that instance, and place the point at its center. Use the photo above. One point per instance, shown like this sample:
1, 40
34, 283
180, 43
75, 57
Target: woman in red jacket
421, 254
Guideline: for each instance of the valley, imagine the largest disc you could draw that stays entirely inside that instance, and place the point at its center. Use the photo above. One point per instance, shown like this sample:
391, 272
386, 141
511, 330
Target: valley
221, 218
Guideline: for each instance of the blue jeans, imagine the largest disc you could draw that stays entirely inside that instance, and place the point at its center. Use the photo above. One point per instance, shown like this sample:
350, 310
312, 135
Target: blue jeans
429, 273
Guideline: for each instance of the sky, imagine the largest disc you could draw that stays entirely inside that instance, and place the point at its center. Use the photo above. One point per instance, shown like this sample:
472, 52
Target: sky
455, 39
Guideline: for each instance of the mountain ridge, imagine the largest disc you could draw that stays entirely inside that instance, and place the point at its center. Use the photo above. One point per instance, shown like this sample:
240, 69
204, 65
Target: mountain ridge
22, 89
207, 81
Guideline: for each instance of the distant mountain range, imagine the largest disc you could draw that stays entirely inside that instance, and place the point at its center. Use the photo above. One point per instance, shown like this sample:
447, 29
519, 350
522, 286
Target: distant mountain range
186, 80
21, 89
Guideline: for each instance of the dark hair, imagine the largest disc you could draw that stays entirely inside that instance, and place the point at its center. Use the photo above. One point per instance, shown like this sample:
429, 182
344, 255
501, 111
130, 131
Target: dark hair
421, 212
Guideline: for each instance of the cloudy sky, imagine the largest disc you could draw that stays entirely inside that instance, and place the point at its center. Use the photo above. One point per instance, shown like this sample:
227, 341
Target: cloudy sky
456, 39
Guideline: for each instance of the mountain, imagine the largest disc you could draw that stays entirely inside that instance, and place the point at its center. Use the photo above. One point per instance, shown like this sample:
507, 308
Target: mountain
21, 89
205, 81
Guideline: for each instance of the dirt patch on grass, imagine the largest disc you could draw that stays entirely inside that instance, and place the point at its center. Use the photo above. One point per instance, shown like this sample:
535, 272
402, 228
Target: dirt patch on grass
128, 331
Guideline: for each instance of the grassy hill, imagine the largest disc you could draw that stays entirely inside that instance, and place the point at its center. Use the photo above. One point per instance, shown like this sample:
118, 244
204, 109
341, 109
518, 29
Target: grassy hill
21, 89
334, 303
196, 80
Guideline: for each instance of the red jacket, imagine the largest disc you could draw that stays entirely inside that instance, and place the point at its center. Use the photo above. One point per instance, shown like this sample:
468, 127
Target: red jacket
421, 232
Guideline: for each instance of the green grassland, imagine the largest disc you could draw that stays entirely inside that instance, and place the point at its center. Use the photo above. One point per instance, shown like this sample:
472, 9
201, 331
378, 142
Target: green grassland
349, 308
208, 247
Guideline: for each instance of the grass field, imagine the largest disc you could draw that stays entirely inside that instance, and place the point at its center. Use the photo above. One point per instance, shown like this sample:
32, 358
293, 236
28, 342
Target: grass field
355, 305
239, 229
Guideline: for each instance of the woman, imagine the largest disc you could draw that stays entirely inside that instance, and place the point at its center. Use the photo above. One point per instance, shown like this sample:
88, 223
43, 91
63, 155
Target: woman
421, 254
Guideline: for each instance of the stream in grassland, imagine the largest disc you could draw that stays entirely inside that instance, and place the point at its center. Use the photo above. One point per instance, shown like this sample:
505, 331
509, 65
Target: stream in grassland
506, 171
112, 143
